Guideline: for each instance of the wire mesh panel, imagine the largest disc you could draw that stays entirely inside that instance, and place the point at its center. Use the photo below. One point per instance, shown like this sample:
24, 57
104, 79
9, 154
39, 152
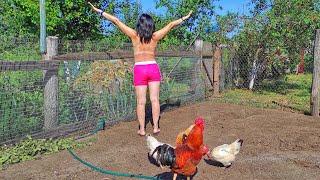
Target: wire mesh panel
21, 107
21, 90
182, 78
19, 49
266, 77
252, 69
93, 90
93, 84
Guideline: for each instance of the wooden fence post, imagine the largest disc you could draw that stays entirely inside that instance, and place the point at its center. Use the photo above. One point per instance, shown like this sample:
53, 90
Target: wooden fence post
314, 102
51, 87
216, 70
198, 45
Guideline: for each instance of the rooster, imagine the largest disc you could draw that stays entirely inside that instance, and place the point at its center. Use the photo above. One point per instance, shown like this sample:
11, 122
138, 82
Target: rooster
184, 158
226, 153
181, 138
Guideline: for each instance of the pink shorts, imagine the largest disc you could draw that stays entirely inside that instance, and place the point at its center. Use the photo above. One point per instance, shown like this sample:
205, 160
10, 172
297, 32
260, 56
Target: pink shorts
145, 72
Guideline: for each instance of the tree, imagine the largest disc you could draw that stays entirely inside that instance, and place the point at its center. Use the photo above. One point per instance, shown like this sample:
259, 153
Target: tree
290, 25
71, 19
201, 21
276, 29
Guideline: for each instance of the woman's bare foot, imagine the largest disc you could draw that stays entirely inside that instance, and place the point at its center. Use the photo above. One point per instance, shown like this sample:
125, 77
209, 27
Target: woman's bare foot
141, 133
156, 131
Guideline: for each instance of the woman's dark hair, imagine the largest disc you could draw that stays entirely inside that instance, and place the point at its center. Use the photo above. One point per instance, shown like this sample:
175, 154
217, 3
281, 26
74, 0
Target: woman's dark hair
145, 28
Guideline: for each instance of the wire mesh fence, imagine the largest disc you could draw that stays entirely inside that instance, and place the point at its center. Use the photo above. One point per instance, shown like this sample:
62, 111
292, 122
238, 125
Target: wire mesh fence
19, 49
267, 77
90, 82
89, 89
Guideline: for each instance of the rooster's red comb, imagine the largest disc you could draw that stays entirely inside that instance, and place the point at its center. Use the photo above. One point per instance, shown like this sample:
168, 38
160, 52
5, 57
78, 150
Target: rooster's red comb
199, 121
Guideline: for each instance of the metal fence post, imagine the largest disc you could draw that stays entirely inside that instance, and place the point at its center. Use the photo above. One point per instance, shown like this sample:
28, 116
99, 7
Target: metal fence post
51, 87
314, 102
43, 28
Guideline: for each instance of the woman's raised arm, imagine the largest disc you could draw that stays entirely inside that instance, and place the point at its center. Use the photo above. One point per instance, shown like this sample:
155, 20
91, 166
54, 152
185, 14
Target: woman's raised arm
164, 31
124, 28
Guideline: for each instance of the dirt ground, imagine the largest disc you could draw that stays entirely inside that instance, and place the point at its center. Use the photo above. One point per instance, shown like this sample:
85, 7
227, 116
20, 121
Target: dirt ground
277, 145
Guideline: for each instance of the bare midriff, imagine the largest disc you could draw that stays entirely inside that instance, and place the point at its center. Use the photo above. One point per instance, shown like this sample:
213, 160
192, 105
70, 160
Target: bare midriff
143, 51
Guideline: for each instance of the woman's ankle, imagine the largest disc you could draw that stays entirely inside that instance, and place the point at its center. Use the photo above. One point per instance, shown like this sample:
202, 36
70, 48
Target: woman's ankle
141, 132
156, 130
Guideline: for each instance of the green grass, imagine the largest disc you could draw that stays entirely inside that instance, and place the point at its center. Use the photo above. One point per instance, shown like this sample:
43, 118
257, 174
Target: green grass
291, 91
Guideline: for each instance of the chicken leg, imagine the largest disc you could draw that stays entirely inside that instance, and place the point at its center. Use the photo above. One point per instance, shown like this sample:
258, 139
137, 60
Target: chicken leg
175, 176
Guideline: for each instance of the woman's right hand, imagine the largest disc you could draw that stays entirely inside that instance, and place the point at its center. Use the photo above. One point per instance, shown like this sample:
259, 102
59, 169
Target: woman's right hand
187, 16
95, 9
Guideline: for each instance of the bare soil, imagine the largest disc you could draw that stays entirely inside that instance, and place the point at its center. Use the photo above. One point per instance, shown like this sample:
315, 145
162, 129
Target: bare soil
277, 145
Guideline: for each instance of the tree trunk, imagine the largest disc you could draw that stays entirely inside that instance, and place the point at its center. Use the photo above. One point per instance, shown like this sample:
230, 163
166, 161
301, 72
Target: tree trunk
254, 69
314, 100
300, 69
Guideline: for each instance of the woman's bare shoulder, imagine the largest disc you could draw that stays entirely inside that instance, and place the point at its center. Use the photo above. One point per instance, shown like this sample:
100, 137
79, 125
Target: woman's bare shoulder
135, 38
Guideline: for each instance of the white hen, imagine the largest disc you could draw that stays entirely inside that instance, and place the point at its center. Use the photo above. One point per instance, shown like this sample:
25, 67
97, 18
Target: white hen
226, 153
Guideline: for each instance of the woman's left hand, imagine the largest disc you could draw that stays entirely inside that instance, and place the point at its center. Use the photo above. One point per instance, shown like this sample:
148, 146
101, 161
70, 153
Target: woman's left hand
95, 9
187, 16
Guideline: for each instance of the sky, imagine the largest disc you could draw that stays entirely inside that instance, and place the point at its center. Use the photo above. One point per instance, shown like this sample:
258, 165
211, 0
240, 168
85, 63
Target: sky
240, 6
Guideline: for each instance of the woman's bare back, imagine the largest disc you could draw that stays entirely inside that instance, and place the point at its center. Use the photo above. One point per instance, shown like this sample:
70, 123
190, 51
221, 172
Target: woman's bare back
144, 51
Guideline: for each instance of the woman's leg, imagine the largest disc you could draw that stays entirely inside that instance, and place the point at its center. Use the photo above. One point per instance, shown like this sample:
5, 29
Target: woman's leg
141, 103
154, 88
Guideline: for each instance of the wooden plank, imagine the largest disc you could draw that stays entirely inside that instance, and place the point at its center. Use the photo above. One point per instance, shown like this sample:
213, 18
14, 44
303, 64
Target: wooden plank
207, 73
59, 131
207, 50
314, 102
90, 56
216, 70
28, 65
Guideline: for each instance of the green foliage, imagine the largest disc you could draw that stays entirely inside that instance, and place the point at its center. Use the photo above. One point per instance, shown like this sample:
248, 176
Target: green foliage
21, 108
119, 106
292, 91
19, 49
281, 30
172, 89
293, 22
71, 19
200, 22
29, 149
75, 20
225, 24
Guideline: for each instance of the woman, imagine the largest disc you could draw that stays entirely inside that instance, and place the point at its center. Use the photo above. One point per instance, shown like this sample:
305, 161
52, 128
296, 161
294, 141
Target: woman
146, 71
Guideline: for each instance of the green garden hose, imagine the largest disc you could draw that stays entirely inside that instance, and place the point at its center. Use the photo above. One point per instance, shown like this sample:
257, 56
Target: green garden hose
100, 126
109, 172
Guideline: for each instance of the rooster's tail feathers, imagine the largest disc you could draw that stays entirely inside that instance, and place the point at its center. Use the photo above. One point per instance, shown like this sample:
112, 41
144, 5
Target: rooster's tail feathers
165, 155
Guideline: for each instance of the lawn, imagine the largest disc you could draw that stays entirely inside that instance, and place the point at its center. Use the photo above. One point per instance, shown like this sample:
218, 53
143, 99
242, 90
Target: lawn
290, 92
